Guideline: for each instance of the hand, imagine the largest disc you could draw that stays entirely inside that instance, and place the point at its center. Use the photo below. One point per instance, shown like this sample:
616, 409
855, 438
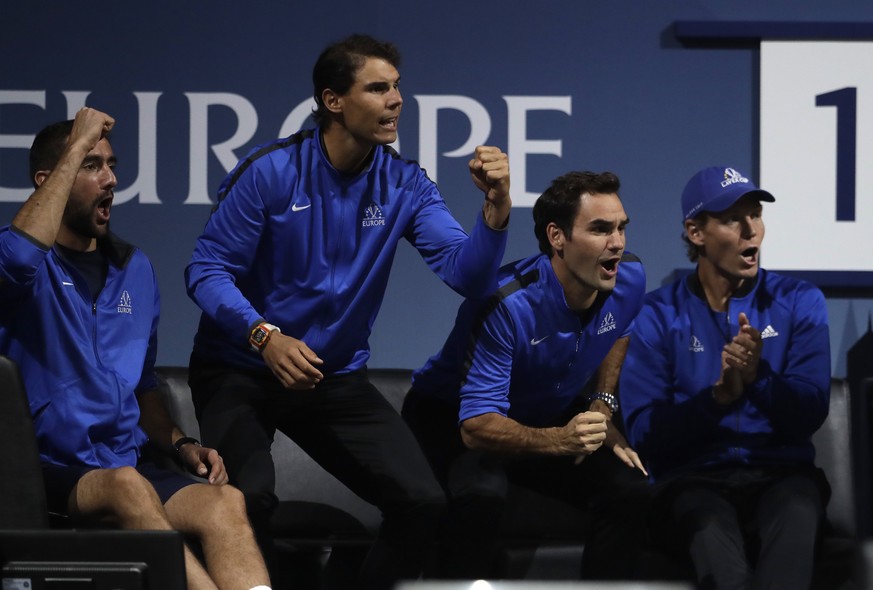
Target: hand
204, 462
739, 363
730, 387
292, 362
616, 441
489, 170
585, 433
89, 127
744, 351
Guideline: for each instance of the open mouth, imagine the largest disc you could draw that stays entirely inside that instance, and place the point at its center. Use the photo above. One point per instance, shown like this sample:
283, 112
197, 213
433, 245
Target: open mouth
750, 255
103, 209
389, 123
610, 266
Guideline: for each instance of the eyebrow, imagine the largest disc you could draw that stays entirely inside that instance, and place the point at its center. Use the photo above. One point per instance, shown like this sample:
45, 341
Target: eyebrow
599, 222
99, 159
378, 83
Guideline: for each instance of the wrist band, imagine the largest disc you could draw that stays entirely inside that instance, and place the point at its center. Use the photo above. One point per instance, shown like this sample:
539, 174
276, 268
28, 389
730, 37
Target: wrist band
607, 398
184, 441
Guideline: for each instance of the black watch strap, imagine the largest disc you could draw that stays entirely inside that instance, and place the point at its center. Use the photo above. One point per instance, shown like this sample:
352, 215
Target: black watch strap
184, 441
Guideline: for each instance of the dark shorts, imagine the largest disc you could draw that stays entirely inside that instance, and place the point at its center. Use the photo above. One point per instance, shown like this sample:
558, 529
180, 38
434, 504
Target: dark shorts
60, 481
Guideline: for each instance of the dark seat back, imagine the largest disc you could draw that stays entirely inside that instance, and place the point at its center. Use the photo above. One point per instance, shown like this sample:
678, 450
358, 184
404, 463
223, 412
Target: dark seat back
22, 495
834, 454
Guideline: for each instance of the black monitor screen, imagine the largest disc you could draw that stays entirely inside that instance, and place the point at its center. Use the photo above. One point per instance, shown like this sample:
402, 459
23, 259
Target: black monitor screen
91, 560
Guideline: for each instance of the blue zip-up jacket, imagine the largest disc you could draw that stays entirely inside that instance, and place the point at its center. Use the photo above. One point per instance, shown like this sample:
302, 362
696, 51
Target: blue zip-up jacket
82, 363
523, 353
674, 359
294, 241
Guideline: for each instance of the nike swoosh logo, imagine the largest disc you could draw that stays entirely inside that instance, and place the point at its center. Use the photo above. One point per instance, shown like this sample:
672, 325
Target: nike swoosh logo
295, 208
66, 283
535, 341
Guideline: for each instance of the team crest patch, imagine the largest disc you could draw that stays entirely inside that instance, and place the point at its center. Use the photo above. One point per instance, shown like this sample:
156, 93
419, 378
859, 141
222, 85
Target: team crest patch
607, 324
695, 345
372, 216
124, 304
731, 176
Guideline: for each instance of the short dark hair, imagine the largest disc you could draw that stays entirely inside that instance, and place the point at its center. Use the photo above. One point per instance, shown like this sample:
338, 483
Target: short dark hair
339, 63
560, 203
47, 147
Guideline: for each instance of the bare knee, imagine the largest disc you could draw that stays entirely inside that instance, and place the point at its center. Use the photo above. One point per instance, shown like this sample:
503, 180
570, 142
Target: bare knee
221, 508
120, 495
126, 482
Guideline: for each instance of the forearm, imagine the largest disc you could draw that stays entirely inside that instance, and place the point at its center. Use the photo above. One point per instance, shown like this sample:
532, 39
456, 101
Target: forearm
215, 292
797, 405
156, 421
499, 434
40, 216
474, 266
610, 368
496, 215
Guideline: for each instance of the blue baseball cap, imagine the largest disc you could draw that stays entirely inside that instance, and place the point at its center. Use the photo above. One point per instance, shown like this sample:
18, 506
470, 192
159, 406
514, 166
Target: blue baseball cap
716, 188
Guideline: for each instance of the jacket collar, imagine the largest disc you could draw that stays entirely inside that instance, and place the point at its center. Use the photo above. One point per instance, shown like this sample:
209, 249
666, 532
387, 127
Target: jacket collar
696, 287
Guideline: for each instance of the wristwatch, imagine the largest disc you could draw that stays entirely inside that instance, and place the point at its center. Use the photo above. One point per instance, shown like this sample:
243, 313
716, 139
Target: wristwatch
607, 398
177, 444
260, 335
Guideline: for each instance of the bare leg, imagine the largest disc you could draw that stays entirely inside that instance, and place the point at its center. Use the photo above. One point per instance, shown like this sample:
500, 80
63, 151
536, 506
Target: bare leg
217, 515
124, 498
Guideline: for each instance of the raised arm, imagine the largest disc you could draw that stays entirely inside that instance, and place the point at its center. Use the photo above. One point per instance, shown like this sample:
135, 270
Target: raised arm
40, 216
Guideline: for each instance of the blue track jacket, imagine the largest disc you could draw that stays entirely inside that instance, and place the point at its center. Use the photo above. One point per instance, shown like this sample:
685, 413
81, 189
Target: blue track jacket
674, 359
294, 241
82, 363
523, 353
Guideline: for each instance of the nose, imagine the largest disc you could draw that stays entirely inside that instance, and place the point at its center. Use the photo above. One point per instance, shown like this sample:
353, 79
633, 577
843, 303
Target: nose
616, 241
395, 99
109, 180
749, 228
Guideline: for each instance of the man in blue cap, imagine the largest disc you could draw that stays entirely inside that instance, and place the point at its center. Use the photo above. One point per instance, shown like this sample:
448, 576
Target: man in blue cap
726, 379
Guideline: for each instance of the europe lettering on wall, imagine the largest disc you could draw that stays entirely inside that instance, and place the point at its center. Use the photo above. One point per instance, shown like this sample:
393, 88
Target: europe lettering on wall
816, 140
228, 151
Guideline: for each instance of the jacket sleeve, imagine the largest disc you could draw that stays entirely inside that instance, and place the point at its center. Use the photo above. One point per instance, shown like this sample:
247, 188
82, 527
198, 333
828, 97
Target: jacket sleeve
20, 259
486, 386
466, 263
224, 251
796, 397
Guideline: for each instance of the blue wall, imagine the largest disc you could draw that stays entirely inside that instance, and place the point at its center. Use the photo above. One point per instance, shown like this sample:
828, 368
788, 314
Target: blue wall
640, 104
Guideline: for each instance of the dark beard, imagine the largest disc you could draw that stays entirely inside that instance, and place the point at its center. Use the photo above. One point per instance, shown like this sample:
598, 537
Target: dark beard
80, 221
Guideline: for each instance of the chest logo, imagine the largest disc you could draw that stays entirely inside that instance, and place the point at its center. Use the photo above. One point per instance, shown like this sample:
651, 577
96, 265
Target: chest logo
372, 216
769, 332
295, 207
124, 304
607, 324
696, 345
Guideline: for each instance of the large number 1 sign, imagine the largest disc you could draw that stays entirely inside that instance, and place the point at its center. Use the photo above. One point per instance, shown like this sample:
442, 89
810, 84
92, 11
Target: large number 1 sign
817, 154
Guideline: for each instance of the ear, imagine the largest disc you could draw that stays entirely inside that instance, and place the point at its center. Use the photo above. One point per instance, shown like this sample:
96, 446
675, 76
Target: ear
694, 231
556, 237
332, 101
40, 177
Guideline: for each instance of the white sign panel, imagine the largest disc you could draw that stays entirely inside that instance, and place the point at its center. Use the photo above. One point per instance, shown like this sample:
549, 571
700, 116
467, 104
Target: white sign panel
817, 154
